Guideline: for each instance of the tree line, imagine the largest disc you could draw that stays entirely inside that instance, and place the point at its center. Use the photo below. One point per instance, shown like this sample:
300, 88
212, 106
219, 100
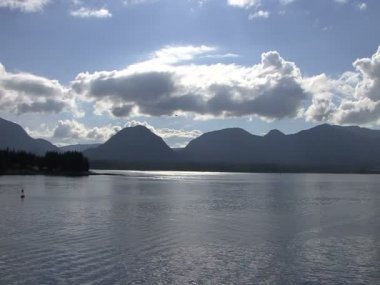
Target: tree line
54, 162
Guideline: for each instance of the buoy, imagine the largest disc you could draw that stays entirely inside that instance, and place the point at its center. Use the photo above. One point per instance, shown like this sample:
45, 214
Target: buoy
22, 194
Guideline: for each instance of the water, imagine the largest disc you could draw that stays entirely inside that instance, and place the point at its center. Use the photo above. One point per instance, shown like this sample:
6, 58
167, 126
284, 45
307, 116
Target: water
190, 228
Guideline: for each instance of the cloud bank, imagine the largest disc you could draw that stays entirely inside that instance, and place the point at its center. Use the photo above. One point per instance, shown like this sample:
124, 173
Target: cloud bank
170, 83
167, 85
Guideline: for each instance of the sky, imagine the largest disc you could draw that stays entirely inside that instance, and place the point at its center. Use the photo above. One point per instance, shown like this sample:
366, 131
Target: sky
75, 71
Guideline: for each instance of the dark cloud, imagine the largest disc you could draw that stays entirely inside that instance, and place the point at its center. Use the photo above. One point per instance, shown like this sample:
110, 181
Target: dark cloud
31, 85
27, 93
137, 87
47, 106
122, 111
275, 102
271, 89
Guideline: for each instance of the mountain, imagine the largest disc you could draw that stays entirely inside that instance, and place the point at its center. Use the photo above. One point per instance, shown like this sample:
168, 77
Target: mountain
14, 137
323, 147
232, 145
78, 147
133, 145
351, 147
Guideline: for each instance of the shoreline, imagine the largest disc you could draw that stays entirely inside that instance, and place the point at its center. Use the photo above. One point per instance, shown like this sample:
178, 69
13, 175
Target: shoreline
95, 172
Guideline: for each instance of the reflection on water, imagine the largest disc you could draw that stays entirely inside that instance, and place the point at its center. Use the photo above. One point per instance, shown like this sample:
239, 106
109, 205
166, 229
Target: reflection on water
190, 228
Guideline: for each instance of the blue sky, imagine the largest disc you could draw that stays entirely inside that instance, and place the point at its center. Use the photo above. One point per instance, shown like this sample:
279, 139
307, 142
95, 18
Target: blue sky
77, 71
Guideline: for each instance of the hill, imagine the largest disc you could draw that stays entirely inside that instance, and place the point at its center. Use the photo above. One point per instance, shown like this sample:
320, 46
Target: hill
325, 147
132, 146
14, 137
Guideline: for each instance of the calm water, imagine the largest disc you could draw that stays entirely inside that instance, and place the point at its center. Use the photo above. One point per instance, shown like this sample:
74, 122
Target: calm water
189, 228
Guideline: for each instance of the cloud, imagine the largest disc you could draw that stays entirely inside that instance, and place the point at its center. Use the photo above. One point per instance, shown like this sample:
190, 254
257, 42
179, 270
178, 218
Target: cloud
27, 93
171, 83
91, 13
27, 6
72, 131
259, 14
369, 69
362, 6
47, 106
166, 132
286, 2
271, 89
221, 56
354, 98
244, 3
136, 2
173, 137
178, 54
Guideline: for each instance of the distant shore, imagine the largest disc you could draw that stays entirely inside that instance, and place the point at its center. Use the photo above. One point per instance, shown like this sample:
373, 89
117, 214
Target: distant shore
109, 171
239, 170
48, 173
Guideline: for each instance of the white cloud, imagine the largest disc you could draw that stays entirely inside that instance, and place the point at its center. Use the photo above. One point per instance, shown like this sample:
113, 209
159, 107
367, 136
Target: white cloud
369, 69
27, 6
286, 2
354, 98
91, 13
72, 131
221, 56
244, 3
136, 2
178, 54
259, 14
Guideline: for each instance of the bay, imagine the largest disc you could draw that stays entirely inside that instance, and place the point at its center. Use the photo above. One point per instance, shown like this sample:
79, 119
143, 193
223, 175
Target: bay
190, 228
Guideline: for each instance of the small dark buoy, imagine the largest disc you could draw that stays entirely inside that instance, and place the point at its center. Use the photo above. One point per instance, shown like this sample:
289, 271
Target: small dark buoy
22, 194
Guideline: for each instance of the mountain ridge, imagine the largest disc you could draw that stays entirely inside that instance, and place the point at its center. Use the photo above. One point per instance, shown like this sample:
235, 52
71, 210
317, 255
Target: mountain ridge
14, 137
323, 148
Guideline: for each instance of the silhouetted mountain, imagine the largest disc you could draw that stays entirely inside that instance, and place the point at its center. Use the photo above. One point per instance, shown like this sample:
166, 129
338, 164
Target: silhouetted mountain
233, 145
335, 145
78, 147
136, 144
14, 137
322, 147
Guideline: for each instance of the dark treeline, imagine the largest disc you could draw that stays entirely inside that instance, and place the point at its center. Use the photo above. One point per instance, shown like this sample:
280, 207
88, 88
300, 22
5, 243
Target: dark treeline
52, 162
